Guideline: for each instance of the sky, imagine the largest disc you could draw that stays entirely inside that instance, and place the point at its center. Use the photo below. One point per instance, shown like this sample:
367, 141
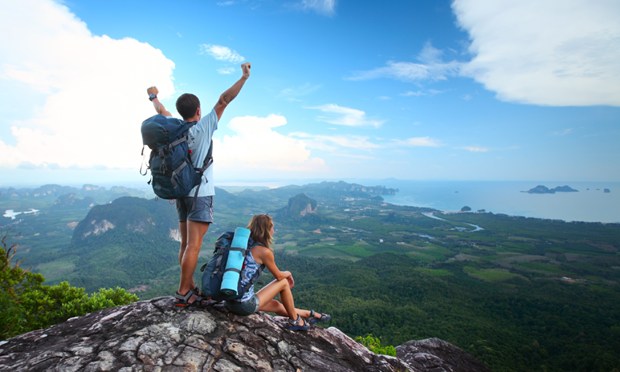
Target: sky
339, 89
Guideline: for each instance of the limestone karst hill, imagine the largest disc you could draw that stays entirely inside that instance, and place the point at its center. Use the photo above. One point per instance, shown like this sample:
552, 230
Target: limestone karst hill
152, 335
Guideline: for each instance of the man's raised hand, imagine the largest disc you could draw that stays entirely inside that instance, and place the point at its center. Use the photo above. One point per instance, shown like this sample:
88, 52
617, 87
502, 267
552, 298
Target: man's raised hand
246, 69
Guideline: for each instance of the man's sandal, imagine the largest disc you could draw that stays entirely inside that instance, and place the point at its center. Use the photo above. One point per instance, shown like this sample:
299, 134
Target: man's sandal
183, 300
322, 317
297, 325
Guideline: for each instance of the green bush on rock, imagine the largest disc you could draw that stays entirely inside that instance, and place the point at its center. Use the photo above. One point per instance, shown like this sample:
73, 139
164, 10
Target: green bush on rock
28, 304
374, 344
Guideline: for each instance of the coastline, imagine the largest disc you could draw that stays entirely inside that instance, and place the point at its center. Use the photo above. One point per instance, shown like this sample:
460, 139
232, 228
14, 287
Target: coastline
590, 204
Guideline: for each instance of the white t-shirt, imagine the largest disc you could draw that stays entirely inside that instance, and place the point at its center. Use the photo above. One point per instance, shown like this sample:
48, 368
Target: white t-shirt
199, 140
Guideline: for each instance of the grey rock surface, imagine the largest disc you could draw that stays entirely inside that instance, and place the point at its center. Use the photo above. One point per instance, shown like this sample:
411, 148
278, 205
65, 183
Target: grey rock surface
153, 335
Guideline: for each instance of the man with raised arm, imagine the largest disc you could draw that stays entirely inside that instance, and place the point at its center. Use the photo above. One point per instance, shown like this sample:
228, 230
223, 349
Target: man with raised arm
195, 215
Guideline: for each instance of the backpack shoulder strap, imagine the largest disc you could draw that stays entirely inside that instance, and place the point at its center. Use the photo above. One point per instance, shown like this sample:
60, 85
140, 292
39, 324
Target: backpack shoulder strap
208, 159
252, 244
207, 163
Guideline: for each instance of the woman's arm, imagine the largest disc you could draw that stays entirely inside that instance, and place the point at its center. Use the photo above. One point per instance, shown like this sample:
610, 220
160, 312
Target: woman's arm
266, 257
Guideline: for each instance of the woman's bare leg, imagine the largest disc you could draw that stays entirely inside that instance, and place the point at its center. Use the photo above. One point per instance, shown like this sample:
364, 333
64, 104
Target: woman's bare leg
267, 303
275, 306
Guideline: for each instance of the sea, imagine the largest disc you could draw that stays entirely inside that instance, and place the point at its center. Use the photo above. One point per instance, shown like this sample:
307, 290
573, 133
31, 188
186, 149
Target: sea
593, 201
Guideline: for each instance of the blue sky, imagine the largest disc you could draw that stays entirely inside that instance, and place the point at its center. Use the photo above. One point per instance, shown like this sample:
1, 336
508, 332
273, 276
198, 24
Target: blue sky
425, 90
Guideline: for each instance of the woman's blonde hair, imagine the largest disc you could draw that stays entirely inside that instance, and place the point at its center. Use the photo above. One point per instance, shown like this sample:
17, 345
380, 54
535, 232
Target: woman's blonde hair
260, 229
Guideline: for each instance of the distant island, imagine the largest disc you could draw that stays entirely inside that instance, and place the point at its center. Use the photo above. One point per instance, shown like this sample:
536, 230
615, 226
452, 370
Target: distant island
540, 189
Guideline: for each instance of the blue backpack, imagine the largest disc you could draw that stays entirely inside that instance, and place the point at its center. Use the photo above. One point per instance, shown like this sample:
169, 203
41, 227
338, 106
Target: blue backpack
222, 275
172, 173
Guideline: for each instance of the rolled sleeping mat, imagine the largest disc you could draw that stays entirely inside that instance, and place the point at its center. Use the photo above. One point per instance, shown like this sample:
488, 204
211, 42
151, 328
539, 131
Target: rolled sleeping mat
234, 264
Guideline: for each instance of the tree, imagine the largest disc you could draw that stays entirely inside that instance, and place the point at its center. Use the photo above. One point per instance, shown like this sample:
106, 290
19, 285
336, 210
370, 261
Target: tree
374, 344
28, 304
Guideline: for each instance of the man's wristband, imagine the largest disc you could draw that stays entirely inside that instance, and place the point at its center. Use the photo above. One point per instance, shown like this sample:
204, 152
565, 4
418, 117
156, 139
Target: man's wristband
152, 96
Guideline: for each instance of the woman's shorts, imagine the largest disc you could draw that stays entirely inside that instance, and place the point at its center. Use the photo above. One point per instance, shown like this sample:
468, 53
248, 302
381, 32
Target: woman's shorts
243, 308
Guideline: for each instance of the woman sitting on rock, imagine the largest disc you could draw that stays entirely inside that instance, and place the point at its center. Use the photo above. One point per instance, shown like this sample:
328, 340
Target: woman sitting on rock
260, 256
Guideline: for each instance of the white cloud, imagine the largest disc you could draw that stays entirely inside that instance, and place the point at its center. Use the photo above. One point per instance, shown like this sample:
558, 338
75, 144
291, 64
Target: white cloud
226, 70
419, 142
475, 149
324, 7
411, 93
256, 148
346, 116
555, 53
420, 93
407, 71
335, 144
563, 132
430, 67
221, 53
90, 89
295, 94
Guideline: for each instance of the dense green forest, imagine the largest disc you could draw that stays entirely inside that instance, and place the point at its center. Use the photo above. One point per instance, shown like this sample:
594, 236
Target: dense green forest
517, 293
515, 324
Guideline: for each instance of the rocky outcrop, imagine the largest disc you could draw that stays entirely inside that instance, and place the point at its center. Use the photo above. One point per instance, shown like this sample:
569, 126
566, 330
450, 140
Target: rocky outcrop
153, 335
541, 189
300, 206
434, 354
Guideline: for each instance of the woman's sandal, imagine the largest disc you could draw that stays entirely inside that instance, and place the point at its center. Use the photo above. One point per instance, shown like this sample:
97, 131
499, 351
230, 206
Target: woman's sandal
294, 325
322, 318
183, 300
